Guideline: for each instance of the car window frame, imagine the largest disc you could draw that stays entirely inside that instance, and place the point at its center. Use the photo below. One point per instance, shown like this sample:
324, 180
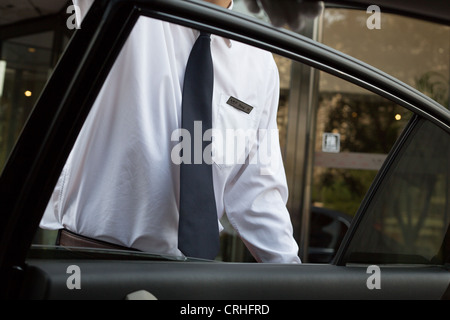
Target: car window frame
415, 126
34, 166
388, 166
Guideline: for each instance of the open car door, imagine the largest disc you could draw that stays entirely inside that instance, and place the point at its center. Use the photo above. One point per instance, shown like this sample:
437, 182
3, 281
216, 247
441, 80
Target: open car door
397, 246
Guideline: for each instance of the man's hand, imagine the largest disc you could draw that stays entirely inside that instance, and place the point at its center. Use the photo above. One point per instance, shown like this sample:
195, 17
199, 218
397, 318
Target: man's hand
290, 13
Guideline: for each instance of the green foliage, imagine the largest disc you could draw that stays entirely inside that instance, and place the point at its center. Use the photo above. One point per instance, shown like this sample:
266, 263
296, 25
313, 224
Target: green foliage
343, 189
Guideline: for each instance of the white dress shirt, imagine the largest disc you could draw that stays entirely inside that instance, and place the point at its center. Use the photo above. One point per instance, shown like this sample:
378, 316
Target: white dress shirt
120, 183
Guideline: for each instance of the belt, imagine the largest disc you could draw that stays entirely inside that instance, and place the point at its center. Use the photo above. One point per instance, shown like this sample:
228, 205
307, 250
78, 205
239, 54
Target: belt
67, 238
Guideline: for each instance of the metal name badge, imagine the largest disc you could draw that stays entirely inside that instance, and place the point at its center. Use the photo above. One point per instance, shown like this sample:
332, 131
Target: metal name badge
238, 104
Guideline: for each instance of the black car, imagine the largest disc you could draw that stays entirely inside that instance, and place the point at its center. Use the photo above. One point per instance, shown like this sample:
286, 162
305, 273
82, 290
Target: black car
398, 243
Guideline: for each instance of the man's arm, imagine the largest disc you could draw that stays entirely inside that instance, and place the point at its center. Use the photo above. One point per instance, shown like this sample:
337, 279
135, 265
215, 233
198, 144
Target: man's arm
255, 200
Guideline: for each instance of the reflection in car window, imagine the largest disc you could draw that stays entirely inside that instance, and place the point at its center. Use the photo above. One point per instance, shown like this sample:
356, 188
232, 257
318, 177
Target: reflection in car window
408, 219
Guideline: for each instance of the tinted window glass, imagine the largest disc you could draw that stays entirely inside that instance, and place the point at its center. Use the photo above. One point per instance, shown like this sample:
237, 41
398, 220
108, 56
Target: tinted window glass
407, 220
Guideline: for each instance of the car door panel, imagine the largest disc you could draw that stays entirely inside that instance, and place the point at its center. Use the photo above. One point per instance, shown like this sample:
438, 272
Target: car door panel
222, 281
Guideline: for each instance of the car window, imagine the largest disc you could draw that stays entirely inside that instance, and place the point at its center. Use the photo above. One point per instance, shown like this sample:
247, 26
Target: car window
419, 57
408, 218
364, 125
350, 130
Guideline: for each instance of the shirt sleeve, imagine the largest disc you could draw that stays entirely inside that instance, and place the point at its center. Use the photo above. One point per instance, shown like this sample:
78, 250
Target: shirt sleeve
255, 200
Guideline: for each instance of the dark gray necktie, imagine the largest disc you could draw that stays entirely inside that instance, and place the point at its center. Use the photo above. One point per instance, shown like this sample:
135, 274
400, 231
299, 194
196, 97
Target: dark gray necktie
198, 234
